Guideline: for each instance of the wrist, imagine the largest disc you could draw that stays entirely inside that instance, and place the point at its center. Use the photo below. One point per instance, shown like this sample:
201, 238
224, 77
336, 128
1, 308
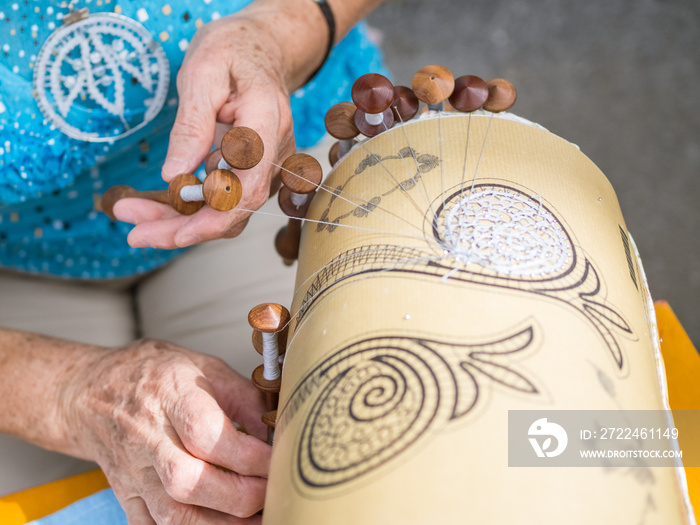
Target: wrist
302, 31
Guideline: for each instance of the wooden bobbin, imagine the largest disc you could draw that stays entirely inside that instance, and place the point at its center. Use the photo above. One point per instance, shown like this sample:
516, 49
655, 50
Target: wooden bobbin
301, 174
270, 418
405, 103
211, 161
373, 94
175, 190
470, 93
222, 190
115, 193
340, 124
242, 148
287, 241
340, 121
433, 84
268, 318
502, 95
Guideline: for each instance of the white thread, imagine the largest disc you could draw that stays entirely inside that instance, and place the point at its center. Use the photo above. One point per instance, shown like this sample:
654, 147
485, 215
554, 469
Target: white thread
192, 193
374, 119
271, 364
505, 232
299, 199
344, 147
223, 165
440, 106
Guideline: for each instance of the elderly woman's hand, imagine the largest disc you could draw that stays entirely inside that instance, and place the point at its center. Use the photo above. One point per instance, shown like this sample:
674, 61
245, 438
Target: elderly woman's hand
238, 70
158, 420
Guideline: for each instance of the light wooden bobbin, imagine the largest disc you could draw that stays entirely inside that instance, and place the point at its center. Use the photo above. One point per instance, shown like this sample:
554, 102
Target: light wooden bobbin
433, 84
301, 174
340, 124
502, 95
373, 94
241, 149
221, 190
469, 94
405, 104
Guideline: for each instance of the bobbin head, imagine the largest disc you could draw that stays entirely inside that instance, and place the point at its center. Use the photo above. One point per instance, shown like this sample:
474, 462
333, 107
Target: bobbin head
433, 84
372, 93
174, 198
269, 317
301, 173
405, 103
112, 195
340, 121
242, 148
502, 95
222, 190
469, 94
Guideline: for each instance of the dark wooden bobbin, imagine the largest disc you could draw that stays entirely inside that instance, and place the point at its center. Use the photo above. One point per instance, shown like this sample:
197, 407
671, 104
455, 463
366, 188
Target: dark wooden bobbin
287, 241
241, 149
269, 319
433, 84
340, 124
301, 174
405, 103
470, 93
502, 95
373, 94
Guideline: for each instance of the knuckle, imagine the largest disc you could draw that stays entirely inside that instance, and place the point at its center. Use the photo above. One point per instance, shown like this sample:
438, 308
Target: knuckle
178, 481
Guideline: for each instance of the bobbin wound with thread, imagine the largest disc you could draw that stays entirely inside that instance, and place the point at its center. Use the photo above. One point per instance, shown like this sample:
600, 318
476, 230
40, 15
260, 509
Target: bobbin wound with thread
221, 190
269, 319
502, 95
433, 84
340, 124
470, 93
301, 174
373, 94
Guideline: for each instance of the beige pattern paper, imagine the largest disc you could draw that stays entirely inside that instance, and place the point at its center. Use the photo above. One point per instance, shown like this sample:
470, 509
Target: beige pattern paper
461, 267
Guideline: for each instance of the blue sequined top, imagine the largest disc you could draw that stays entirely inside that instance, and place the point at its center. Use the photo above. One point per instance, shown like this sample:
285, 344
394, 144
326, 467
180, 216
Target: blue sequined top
49, 182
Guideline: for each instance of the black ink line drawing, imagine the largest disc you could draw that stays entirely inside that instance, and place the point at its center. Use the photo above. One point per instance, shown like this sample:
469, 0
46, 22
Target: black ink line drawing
375, 398
424, 163
574, 280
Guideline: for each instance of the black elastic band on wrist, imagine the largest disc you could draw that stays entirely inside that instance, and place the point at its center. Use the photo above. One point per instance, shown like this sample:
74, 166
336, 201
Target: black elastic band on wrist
330, 21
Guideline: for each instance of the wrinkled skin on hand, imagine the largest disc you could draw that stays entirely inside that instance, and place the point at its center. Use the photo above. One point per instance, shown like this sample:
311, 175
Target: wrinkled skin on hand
236, 72
158, 418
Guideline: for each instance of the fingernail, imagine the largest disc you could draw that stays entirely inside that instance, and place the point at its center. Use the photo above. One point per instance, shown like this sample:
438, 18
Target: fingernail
173, 166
